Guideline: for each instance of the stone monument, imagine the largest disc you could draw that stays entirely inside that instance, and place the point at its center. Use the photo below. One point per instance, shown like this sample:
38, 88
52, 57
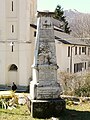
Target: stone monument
44, 88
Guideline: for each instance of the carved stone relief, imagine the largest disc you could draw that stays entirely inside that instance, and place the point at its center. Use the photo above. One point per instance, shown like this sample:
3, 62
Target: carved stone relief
44, 53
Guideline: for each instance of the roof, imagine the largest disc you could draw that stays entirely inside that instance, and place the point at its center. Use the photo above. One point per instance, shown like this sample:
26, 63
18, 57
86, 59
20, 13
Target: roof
68, 39
64, 37
61, 40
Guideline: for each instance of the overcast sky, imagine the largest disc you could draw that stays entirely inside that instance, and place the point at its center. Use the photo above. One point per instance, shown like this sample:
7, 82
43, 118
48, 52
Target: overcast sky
79, 5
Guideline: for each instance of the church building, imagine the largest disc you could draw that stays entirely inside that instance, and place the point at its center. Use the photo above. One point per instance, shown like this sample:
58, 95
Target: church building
16, 41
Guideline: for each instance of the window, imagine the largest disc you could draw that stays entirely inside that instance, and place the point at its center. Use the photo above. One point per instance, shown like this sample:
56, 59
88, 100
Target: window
67, 69
88, 63
78, 67
79, 50
12, 45
75, 50
34, 33
85, 65
12, 6
13, 67
68, 51
12, 28
84, 50
88, 51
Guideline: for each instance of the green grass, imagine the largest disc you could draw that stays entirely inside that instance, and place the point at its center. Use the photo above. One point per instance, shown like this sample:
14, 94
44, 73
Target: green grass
20, 113
73, 112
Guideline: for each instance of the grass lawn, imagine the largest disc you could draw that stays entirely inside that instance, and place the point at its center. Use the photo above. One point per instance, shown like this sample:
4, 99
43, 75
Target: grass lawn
74, 112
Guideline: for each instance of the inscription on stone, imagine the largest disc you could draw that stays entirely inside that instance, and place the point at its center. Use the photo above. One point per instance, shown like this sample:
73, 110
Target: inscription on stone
47, 75
47, 92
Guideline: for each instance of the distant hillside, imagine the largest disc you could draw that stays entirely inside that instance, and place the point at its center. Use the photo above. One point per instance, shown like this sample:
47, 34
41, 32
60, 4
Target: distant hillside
71, 14
78, 22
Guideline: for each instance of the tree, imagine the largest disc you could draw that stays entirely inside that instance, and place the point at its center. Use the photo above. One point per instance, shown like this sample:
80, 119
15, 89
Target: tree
59, 15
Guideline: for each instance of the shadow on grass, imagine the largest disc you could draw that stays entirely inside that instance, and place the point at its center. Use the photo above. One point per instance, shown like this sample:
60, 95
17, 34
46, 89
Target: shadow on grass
75, 115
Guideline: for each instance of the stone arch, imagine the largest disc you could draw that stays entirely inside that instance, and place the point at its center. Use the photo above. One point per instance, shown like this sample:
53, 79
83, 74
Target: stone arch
13, 67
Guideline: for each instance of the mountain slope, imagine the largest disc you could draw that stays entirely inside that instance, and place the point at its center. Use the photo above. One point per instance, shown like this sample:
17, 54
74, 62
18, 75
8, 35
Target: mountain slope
78, 22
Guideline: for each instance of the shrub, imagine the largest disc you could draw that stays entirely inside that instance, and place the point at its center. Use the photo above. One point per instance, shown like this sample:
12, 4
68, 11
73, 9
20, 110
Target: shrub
75, 84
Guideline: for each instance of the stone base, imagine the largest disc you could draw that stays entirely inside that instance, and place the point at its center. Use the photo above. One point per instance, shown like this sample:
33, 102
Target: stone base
47, 108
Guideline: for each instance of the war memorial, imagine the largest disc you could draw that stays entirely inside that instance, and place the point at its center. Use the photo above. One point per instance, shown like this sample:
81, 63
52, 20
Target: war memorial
45, 100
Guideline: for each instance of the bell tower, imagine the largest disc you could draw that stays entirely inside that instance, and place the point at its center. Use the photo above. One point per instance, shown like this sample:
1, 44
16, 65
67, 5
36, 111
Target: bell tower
17, 39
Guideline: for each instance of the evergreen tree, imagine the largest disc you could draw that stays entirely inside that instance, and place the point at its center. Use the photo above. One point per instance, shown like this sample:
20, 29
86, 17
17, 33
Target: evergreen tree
67, 28
59, 15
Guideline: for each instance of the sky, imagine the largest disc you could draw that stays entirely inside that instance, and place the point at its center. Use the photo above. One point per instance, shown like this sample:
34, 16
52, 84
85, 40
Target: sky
79, 5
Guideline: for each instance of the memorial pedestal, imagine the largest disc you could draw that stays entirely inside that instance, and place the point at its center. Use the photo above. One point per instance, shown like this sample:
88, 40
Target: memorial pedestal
47, 108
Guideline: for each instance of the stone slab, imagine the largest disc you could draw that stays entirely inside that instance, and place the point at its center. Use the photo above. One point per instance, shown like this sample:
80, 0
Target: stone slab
47, 108
48, 92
